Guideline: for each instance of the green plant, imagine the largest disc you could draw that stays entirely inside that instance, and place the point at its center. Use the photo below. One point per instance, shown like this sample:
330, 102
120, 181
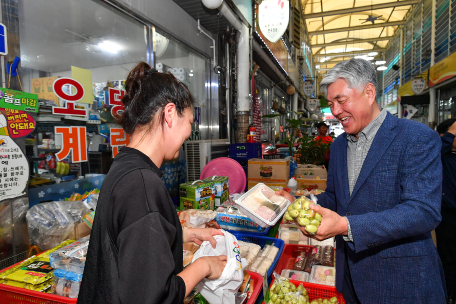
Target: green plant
292, 126
312, 150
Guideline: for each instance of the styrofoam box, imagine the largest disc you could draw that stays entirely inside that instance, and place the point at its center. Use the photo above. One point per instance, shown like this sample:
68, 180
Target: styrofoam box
252, 215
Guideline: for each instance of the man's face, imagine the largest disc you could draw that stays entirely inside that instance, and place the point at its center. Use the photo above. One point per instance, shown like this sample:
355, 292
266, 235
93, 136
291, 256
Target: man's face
353, 108
322, 130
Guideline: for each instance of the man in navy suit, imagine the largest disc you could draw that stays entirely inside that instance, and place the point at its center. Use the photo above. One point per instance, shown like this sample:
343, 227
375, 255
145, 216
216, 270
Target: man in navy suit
382, 198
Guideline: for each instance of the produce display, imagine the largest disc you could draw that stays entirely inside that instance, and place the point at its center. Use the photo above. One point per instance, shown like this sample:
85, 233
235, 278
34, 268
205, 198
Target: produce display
282, 291
300, 212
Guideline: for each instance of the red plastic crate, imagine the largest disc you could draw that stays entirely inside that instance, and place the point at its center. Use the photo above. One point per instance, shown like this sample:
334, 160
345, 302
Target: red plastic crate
315, 291
15, 295
257, 286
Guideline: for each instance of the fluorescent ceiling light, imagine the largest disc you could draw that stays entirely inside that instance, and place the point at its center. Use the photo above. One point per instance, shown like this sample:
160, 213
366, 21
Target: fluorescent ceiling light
361, 57
317, 67
324, 59
191, 74
109, 46
381, 68
369, 58
373, 54
380, 62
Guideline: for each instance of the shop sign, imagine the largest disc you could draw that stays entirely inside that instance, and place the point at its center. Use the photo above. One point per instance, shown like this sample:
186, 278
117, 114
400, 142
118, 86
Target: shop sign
312, 104
59, 87
308, 88
443, 70
115, 100
73, 140
273, 18
3, 40
14, 167
418, 85
118, 138
18, 100
409, 111
20, 123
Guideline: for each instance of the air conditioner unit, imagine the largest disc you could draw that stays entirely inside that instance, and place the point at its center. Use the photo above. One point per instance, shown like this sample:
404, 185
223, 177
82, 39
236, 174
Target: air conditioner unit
199, 152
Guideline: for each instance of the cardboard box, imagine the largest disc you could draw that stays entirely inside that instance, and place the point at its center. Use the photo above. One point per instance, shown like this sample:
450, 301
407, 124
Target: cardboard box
274, 170
311, 171
50, 96
252, 183
43, 84
197, 195
311, 184
221, 189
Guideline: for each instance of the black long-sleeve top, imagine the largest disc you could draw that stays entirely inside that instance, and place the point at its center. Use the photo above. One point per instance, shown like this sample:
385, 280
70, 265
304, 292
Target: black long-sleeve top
135, 250
449, 172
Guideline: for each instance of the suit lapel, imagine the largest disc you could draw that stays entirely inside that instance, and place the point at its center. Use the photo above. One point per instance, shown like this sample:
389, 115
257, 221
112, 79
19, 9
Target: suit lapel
385, 135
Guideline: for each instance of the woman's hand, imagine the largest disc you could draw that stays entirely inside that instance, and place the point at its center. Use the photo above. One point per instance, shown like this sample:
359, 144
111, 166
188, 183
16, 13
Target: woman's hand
216, 264
286, 195
199, 235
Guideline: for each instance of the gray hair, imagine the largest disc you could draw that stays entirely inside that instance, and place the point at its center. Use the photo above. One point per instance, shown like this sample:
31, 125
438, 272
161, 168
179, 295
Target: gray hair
357, 72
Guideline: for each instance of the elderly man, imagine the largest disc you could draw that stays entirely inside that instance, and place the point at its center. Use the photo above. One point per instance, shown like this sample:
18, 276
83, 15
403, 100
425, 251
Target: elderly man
383, 196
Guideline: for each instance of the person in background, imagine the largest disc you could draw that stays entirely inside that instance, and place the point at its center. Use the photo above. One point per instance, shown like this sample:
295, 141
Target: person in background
382, 198
135, 252
322, 129
446, 231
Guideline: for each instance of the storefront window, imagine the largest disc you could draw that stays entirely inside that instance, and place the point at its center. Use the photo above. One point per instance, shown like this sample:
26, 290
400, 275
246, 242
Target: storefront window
190, 68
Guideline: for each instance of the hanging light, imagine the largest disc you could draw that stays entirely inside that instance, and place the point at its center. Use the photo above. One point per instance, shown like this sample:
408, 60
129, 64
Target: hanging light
372, 54
275, 105
382, 68
380, 62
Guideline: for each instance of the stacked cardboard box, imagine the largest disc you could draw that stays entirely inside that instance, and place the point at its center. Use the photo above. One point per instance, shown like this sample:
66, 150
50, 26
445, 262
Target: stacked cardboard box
274, 172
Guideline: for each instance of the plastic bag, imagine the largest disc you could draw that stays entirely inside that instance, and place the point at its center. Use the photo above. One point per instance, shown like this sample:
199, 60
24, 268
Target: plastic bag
51, 223
20, 207
223, 289
71, 257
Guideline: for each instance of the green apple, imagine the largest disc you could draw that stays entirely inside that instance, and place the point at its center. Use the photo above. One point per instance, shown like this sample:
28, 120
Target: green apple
294, 213
290, 208
297, 205
302, 213
311, 228
318, 216
302, 221
287, 216
315, 222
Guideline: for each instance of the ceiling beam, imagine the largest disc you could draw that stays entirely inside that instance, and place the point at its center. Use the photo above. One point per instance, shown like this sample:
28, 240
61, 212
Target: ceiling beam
355, 28
349, 53
353, 41
361, 9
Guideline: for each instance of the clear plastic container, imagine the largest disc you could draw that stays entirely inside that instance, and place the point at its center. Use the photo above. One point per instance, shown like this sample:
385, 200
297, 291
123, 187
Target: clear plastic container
323, 275
295, 275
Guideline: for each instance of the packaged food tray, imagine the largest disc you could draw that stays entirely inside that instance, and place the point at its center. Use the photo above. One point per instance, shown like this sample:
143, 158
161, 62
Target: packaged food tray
252, 215
262, 241
14, 295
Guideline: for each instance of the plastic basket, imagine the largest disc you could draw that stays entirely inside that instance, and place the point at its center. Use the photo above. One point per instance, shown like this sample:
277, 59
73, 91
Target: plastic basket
257, 287
265, 232
262, 241
253, 216
15, 295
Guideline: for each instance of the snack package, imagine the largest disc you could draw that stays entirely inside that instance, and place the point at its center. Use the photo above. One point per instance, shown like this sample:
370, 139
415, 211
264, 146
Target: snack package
263, 202
323, 275
59, 274
327, 242
264, 266
71, 257
36, 287
232, 219
300, 262
35, 271
249, 251
195, 218
293, 237
314, 258
72, 284
295, 275
91, 200
188, 257
327, 257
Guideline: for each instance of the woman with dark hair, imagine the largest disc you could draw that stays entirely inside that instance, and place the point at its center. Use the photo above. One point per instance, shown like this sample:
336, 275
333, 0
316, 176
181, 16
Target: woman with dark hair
135, 253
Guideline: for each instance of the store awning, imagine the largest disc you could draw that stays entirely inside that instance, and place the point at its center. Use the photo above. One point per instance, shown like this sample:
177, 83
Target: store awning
353, 27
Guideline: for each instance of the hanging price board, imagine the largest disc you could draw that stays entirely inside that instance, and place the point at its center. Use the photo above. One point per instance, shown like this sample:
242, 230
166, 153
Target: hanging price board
273, 18
308, 88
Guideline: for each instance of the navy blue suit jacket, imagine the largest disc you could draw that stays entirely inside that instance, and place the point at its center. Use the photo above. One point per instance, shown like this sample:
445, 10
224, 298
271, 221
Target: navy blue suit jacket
392, 210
